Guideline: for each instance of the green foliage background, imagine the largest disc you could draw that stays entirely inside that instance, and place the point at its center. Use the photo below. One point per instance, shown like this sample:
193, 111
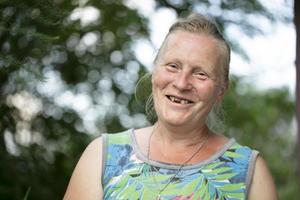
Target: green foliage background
41, 138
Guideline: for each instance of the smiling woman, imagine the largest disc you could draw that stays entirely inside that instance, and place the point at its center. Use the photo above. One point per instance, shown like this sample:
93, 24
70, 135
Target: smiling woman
179, 157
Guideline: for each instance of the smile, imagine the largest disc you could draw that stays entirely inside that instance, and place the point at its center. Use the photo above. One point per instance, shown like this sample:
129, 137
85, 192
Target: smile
178, 100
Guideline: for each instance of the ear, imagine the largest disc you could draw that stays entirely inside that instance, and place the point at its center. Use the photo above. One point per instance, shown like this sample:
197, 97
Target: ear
222, 92
151, 79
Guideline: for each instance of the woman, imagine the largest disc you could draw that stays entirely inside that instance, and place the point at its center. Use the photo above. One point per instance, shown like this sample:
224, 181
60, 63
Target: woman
178, 157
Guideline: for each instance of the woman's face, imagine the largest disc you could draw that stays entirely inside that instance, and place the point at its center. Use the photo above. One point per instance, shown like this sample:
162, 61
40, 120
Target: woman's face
187, 79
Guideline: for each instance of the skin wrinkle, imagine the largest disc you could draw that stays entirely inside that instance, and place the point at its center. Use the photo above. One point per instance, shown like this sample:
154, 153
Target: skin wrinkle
222, 53
203, 92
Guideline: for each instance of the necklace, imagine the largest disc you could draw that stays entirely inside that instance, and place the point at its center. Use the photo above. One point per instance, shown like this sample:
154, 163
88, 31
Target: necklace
158, 197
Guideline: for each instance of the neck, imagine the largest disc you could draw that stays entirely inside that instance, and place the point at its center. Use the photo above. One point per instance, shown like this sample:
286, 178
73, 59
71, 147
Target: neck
179, 136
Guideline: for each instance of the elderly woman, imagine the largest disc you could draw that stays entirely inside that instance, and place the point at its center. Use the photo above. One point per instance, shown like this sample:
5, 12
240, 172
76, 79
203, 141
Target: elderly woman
178, 157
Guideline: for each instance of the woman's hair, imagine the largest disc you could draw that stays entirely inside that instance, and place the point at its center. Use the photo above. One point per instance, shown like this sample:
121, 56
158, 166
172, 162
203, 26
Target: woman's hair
197, 23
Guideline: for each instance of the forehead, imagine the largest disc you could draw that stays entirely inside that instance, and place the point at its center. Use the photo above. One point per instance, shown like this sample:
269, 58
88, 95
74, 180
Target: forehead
196, 48
197, 41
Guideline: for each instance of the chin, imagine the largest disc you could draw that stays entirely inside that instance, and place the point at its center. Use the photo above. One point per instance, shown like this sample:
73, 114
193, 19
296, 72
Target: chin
178, 120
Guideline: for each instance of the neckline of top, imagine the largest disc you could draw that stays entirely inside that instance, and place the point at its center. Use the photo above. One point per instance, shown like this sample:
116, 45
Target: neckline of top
140, 155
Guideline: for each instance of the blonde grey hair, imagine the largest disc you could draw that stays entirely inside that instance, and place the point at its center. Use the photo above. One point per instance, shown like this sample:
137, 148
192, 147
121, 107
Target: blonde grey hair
197, 23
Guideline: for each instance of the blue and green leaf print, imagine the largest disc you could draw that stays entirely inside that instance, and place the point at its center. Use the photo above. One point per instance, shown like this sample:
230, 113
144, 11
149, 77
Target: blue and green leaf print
128, 177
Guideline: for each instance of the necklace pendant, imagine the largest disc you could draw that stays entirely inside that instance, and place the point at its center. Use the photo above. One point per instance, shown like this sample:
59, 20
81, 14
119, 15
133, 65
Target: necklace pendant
158, 197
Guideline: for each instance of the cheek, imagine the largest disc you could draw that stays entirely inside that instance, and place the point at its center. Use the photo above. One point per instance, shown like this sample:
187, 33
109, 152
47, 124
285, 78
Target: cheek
208, 92
156, 82
160, 79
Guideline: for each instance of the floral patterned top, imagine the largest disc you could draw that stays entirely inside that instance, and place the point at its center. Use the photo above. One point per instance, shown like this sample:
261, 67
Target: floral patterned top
129, 174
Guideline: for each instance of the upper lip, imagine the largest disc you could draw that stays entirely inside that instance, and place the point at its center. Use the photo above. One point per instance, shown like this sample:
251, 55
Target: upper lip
180, 97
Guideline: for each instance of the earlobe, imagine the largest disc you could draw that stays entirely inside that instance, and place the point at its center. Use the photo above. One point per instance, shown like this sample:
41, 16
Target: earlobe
221, 93
223, 89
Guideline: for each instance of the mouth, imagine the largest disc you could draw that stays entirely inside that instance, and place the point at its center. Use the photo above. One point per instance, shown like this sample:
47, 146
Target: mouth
179, 100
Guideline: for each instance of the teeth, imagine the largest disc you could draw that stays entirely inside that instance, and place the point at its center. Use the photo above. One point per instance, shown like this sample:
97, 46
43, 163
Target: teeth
184, 102
177, 100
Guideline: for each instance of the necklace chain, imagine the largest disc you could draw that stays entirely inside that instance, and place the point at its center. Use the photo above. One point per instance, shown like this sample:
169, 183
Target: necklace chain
181, 165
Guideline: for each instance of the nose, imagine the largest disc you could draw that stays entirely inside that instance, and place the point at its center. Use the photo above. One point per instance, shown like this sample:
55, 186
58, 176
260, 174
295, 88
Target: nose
182, 81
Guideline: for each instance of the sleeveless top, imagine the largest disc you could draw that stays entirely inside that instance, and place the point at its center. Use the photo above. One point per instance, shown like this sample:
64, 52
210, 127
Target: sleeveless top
129, 174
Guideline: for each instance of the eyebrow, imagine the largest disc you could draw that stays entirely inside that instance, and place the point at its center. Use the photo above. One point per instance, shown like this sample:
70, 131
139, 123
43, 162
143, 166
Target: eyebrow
195, 67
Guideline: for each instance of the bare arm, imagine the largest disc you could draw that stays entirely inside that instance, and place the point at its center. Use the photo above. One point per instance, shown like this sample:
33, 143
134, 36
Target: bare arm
85, 182
262, 186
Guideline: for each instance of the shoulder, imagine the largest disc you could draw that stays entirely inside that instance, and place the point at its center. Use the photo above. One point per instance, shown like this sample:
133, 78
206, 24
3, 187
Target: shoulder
259, 181
262, 186
85, 182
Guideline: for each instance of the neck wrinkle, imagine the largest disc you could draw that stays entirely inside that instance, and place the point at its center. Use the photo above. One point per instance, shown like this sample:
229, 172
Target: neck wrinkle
178, 137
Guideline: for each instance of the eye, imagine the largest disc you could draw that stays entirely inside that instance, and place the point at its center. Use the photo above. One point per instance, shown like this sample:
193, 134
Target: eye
172, 67
201, 75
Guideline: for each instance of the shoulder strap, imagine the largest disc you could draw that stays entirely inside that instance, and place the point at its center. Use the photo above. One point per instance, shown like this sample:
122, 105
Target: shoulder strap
113, 145
250, 171
119, 138
245, 158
